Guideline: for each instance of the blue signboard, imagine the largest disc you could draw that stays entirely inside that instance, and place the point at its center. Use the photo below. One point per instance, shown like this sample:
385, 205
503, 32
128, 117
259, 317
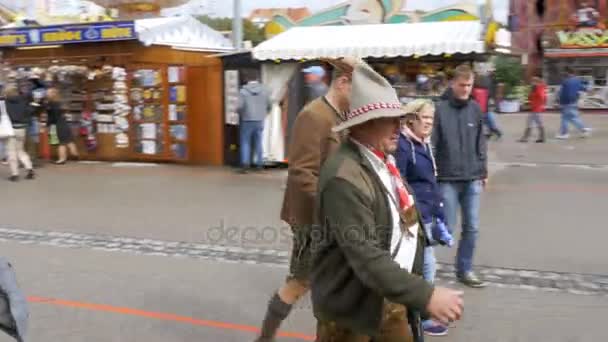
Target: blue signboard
66, 34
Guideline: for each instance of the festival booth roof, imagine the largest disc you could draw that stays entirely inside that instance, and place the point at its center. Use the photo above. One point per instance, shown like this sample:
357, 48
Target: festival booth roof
377, 41
183, 33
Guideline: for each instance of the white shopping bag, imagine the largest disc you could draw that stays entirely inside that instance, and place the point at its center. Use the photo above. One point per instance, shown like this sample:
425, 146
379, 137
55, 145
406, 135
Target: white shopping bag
6, 126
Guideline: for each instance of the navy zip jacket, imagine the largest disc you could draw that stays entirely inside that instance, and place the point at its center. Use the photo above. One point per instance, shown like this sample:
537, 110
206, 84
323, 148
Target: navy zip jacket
458, 140
417, 168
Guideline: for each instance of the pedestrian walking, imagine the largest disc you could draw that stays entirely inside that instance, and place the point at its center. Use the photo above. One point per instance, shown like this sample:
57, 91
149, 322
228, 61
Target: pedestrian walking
461, 155
537, 99
14, 312
56, 117
20, 114
315, 87
311, 143
481, 94
368, 245
568, 99
254, 105
416, 164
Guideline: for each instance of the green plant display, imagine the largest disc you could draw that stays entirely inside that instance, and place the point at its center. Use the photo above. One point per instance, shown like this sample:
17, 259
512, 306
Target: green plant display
510, 72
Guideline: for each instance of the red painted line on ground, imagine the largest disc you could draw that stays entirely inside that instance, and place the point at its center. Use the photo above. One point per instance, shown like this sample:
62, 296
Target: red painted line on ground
162, 317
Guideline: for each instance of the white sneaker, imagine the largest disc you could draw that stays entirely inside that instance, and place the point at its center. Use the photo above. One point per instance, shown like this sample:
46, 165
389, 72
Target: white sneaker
562, 136
586, 133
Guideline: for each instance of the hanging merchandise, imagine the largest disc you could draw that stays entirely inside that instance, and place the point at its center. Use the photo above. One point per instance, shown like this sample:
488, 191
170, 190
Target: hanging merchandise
87, 130
121, 106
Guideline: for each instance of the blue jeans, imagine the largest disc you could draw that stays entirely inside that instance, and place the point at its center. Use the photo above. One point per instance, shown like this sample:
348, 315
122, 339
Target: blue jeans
570, 114
33, 131
465, 195
251, 130
490, 121
429, 267
430, 263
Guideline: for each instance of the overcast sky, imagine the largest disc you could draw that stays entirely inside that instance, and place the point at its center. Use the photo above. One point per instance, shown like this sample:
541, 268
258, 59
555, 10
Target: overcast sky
224, 7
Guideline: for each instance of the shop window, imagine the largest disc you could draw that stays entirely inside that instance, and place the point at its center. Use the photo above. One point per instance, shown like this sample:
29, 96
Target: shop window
540, 8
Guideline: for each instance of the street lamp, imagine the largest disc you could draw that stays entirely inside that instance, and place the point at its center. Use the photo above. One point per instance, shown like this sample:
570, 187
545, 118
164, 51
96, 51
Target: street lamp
237, 25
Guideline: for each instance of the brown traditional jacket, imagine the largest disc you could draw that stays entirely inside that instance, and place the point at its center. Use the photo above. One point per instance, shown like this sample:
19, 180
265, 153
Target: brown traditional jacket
312, 142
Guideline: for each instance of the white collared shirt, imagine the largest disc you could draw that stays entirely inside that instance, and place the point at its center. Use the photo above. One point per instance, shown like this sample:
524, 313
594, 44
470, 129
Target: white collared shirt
409, 242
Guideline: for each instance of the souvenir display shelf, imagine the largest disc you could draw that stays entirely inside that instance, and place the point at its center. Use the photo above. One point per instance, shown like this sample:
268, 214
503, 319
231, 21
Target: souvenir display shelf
178, 114
157, 97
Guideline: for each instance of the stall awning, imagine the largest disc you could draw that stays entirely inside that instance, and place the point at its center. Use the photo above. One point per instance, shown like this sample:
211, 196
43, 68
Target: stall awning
383, 40
184, 32
574, 53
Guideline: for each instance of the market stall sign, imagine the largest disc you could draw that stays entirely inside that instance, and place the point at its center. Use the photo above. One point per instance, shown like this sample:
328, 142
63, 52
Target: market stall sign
582, 39
66, 34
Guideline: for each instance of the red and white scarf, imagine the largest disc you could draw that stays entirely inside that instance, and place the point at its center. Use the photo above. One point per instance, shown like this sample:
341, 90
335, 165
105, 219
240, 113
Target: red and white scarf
405, 200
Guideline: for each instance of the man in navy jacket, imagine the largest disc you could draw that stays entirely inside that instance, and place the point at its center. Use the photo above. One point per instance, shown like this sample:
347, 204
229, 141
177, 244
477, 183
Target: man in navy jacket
462, 170
568, 100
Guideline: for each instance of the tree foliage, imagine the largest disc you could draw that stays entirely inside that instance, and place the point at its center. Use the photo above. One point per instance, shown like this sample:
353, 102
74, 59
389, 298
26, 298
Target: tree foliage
250, 30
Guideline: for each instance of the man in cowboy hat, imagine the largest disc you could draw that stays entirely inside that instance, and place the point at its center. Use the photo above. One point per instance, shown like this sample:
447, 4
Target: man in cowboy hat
13, 305
368, 244
311, 142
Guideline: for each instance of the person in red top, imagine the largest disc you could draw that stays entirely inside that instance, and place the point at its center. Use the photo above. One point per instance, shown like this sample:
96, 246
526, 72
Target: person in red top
537, 99
481, 95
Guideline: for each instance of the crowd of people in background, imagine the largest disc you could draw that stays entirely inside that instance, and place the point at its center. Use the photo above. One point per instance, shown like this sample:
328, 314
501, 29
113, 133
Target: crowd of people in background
28, 109
437, 88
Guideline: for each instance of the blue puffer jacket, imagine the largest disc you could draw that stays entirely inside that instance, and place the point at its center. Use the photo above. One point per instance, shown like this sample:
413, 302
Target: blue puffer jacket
416, 165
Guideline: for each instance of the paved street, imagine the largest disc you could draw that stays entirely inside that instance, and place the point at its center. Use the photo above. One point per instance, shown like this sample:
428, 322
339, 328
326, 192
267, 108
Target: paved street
124, 252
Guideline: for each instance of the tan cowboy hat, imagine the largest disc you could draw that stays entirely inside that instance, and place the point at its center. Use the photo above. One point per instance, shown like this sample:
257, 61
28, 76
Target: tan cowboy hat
372, 97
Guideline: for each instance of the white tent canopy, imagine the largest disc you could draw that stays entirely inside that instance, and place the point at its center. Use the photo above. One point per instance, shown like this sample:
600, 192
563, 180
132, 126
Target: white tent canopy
184, 32
382, 40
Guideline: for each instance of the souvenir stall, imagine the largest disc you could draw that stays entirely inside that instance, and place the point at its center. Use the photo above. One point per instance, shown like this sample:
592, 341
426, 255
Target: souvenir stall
407, 63
144, 90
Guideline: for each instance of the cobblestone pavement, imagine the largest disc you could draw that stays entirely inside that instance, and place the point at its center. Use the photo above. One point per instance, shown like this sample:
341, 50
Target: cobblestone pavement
575, 283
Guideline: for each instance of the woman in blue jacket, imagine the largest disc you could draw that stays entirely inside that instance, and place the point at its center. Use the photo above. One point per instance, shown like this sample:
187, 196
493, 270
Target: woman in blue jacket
416, 163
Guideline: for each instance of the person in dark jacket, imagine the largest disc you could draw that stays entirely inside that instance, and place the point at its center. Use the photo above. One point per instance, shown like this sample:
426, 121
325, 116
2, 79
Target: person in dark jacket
20, 113
56, 117
568, 101
254, 105
32, 143
368, 243
462, 172
537, 99
416, 164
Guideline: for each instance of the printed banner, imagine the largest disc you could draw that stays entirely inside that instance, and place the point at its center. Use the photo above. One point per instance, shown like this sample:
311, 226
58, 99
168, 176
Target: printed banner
66, 34
583, 39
